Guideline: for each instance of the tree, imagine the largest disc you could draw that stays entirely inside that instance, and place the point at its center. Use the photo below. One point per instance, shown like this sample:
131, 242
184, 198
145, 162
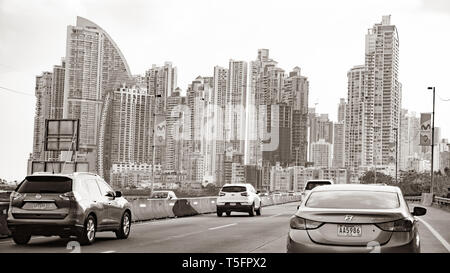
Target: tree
381, 178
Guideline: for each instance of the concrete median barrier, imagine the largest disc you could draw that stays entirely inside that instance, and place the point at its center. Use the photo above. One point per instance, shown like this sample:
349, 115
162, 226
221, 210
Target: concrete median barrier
4, 231
144, 209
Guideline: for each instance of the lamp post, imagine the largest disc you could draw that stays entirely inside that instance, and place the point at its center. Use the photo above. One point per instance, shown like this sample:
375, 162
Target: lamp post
432, 141
396, 153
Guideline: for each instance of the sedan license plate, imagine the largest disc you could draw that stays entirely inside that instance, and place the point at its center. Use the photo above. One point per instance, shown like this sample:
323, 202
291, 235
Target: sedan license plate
349, 230
232, 204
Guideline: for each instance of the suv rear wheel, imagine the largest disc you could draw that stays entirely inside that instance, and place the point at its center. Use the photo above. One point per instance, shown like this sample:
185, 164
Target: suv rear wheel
87, 236
219, 213
258, 211
21, 238
252, 210
125, 226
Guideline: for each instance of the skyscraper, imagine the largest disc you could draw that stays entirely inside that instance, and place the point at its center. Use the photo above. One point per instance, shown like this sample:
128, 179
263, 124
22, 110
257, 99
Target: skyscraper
382, 88
339, 137
57, 95
95, 67
358, 129
266, 84
43, 91
131, 126
409, 138
175, 117
236, 102
374, 100
321, 153
295, 94
161, 82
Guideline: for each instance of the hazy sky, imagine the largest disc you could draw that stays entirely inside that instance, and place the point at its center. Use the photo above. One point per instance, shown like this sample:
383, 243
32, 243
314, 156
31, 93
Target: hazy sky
324, 38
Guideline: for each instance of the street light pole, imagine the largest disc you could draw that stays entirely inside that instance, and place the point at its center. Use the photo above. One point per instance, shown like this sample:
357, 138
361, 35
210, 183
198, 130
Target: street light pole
396, 153
432, 141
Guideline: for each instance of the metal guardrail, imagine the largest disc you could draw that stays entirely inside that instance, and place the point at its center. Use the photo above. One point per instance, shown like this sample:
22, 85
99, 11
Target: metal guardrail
442, 200
437, 200
413, 198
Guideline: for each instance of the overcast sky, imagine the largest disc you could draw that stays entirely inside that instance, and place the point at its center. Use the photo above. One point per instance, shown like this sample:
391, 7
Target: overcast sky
324, 38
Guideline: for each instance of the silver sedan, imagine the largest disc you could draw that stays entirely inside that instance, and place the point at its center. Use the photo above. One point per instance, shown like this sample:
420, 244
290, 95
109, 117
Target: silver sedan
354, 218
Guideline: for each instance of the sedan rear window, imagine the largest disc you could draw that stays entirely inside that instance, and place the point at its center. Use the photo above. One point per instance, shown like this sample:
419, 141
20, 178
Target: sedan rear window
353, 200
45, 184
234, 189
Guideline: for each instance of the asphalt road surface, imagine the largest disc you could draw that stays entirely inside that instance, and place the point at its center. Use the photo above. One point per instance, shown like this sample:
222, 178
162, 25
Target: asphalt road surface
208, 233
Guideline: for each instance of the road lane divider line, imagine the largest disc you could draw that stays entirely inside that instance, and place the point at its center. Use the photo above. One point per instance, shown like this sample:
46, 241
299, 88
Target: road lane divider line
224, 226
436, 234
275, 215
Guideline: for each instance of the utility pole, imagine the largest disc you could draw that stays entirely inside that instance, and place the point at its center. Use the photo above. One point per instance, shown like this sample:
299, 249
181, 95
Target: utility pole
432, 141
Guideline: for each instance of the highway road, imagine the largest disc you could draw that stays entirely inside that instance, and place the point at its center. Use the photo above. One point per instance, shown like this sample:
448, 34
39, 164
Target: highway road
208, 233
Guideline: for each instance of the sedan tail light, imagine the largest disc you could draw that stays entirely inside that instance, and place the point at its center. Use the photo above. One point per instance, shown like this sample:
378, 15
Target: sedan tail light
15, 195
244, 194
304, 224
403, 225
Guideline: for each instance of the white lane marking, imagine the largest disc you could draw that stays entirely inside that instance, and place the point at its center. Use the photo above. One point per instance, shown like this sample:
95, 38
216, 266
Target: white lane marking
213, 228
436, 234
109, 251
275, 215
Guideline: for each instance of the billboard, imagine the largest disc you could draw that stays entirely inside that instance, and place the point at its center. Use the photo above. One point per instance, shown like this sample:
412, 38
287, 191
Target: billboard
61, 135
425, 129
160, 130
59, 166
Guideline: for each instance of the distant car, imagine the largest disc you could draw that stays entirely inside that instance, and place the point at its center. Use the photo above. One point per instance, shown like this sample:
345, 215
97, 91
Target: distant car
240, 197
354, 218
277, 193
311, 184
166, 195
78, 204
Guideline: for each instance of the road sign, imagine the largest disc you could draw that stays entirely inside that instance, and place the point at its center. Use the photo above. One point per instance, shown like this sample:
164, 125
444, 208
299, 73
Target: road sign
61, 134
160, 130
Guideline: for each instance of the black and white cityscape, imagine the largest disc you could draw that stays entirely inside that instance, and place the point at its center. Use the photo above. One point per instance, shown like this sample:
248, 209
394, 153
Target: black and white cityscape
250, 125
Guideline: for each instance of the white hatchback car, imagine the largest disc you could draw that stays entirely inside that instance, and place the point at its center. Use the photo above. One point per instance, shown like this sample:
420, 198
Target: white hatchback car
240, 197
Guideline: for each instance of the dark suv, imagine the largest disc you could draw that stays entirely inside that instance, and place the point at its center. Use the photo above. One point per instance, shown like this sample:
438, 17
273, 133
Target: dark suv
78, 204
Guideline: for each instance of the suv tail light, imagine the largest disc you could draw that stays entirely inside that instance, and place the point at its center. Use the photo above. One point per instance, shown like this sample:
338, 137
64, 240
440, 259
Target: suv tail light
221, 194
304, 224
244, 194
15, 195
402, 225
68, 196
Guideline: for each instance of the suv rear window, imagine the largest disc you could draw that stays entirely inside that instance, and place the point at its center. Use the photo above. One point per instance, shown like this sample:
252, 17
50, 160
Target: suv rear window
312, 185
353, 200
234, 189
159, 195
45, 184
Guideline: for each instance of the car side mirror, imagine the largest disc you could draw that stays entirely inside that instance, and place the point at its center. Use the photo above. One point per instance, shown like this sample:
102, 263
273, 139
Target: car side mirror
258, 192
298, 206
419, 211
110, 194
118, 194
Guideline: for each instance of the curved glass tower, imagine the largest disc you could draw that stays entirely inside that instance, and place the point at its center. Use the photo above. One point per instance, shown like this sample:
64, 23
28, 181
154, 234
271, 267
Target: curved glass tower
95, 66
